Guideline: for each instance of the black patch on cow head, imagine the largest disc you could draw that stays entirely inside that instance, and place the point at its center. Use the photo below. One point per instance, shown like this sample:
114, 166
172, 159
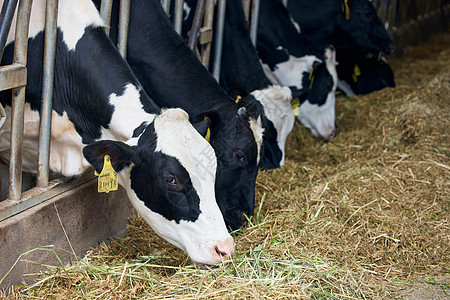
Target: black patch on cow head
318, 84
364, 28
159, 180
236, 152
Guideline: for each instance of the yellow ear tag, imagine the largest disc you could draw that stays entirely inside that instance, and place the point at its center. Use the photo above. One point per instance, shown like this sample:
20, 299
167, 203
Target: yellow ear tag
311, 78
208, 132
295, 103
107, 179
356, 73
346, 9
238, 98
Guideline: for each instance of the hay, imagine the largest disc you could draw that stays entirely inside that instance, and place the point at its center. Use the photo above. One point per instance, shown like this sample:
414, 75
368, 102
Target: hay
358, 217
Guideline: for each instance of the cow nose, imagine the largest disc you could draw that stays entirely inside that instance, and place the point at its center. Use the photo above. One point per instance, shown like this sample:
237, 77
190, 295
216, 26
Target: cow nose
223, 250
332, 135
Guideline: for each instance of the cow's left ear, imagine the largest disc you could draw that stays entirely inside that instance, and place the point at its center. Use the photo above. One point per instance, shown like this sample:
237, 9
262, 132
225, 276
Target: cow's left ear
202, 126
120, 153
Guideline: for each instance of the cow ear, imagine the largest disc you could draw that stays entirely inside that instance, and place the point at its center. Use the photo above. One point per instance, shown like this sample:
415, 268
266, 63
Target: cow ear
202, 126
120, 153
253, 108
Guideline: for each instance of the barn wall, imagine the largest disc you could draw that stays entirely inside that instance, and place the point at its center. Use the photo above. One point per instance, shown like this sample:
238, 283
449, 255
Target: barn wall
412, 21
87, 216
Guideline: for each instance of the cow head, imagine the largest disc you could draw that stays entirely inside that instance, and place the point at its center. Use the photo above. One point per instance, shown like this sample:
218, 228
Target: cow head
236, 136
278, 122
317, 112
169, 172
374, 75
363, 27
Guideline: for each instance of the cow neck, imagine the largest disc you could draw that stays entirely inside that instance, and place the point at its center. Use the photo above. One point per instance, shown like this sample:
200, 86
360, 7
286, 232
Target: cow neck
168, 70
276, 29
241, 69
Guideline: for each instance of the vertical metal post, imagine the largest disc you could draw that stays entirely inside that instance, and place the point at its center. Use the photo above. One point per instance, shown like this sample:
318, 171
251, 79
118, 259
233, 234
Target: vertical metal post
246, 5
166, 5
254, 21
219, 39
178, 15
6, 16
47, 93
123, 27
208, 23
105, 14
18, 102
195, 28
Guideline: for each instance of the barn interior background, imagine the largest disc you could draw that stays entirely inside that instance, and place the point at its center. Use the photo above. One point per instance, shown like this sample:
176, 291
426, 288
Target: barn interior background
276, 252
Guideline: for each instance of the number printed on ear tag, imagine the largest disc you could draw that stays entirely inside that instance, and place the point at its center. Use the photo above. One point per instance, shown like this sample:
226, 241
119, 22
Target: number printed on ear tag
107, 179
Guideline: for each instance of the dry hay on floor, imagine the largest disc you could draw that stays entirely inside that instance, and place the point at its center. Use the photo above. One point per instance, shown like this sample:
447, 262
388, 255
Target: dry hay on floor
347, 219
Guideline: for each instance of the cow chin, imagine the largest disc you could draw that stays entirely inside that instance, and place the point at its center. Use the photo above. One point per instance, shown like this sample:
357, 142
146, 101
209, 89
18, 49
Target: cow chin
206, 240
319, 119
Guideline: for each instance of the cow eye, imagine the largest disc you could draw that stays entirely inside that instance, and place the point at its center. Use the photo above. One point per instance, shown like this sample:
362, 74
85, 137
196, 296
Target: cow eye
239, 155
170, 180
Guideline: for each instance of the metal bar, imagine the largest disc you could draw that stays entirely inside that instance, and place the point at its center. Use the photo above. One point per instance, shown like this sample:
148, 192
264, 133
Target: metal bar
2, 117
12, 76
178, 15
105, 13
196, 24
208, 25
6, 16
285, 2
246, 5
18, 102
47, 93
166, 6
123, 27
254, 21
219, 39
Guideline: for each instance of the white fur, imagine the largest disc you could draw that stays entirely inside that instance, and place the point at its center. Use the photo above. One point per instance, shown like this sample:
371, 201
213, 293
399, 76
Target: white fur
177, 138
290, 72
70, 12
257, 130
128, 114
277, 107
187, 11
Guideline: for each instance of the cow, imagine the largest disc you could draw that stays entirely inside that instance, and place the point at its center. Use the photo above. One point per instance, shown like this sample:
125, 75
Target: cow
99, 108
290, 59
241, 74
358, 35
173, 76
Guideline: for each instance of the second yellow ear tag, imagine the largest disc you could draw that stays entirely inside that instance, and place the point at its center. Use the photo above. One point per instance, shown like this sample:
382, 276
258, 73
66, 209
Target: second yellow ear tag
107, 179
295, 103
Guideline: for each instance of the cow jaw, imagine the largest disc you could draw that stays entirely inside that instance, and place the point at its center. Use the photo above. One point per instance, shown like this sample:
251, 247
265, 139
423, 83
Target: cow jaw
277, 108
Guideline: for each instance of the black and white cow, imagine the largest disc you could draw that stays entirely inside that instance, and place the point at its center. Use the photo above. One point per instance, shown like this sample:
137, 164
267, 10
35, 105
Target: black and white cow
290, 59
358, 34
173, 76
241, 74
99, 108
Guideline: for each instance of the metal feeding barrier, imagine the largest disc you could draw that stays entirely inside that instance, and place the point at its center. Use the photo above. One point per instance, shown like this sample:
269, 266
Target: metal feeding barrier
14, 76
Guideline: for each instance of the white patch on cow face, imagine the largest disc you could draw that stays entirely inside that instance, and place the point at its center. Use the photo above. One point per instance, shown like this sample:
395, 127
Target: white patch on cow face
80, 12
320, 119
176, 137
65, 148
277, 107
127, 116
290, 72
257, 130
